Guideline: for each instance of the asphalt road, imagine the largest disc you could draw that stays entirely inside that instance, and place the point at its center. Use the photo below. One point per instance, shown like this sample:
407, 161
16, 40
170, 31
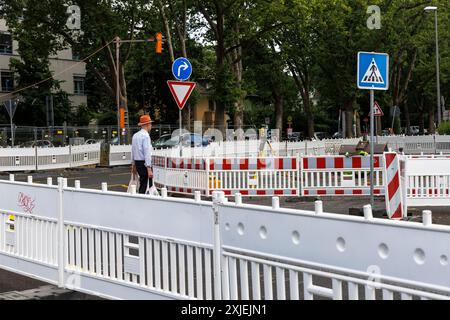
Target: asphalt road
118, 178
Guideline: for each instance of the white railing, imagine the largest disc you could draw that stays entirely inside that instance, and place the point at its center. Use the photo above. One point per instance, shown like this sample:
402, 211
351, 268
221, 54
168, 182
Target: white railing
17, 159
119, 155
171, 248
426, 180
22, 159
340, 175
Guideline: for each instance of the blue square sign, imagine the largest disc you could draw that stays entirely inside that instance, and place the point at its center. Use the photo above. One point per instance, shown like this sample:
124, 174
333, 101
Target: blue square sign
373, 71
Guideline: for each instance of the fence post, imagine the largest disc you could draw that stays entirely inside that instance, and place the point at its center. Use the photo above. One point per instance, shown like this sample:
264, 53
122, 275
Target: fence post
300, 175
60, 233
36, 158
207, 175
218, 197
404, 186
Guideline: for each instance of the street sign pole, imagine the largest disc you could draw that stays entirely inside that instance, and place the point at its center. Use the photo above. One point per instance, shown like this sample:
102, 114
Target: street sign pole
372, 74
181, 151
372, 116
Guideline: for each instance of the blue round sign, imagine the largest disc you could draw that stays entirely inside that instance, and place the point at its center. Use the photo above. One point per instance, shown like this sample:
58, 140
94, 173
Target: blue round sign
181, 69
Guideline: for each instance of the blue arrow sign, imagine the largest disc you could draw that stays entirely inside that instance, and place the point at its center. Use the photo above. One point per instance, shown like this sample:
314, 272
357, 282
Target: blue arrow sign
373, 71
182, 69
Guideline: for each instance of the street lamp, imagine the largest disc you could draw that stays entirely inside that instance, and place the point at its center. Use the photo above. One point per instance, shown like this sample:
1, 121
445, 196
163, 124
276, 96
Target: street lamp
438, 98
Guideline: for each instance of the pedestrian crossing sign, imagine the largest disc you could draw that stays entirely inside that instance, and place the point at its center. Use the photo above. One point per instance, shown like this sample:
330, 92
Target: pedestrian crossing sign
373, 71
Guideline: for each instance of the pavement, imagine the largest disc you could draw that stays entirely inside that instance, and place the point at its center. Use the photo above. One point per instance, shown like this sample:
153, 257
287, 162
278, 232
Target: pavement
13, 286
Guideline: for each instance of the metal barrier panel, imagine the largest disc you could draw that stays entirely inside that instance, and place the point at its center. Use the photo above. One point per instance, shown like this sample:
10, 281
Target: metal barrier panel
292, 254
262, 176
53, 158
340, 175
17, 159
119, 155
83, 155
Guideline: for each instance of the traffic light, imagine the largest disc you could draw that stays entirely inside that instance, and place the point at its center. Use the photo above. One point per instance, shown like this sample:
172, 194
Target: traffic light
159, 39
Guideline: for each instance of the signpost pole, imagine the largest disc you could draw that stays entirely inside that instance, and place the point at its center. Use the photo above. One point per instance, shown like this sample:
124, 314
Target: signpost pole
372, 99
179, 115
12, 125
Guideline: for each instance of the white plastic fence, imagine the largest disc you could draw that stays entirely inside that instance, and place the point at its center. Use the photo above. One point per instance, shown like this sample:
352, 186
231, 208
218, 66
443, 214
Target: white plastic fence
16, 159
129, 246
340, 175
22, 159
119, 155
426, 180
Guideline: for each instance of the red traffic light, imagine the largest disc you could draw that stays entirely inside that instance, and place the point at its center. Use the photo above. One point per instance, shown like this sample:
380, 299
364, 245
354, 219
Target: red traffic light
158, 47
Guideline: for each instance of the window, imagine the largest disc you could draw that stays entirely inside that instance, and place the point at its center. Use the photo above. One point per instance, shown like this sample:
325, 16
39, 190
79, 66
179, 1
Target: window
78, 84
5, 43
7, 81
75, 55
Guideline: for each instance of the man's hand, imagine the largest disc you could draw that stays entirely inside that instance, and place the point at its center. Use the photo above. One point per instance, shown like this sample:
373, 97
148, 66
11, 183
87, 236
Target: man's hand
133, 169
150, 172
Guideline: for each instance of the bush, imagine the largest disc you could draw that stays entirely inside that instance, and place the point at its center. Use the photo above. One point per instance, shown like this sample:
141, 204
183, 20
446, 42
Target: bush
444, 127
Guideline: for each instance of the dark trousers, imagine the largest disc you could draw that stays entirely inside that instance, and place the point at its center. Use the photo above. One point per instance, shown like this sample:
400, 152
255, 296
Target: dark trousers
143, 176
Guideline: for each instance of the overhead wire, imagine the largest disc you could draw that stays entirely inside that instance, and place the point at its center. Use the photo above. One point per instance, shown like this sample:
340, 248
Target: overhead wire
58, 73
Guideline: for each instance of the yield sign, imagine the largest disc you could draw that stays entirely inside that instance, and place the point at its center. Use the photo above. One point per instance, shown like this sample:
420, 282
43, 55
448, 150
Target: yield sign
377, 110
181, 90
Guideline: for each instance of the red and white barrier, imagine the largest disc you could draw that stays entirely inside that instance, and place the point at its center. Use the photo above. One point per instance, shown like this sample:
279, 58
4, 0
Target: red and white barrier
393, 197
340, 175
254, 176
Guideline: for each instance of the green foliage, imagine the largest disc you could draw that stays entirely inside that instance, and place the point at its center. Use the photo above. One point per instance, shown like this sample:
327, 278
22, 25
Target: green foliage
299, 50
444, 128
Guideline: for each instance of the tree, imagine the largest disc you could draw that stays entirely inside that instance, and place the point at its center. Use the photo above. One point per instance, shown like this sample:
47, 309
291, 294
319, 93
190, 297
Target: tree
35, 26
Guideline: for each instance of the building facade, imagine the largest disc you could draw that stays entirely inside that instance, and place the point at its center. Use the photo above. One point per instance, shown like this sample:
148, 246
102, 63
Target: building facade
65, 67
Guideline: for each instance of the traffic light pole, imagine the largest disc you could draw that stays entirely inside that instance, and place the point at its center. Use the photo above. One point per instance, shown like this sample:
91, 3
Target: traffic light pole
118, 87
118, 42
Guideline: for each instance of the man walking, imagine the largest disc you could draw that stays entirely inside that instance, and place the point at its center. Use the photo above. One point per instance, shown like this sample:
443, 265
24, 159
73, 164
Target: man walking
141, 153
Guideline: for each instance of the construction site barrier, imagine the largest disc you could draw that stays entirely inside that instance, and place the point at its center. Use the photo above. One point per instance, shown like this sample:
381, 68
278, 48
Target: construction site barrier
27, 159
172, 248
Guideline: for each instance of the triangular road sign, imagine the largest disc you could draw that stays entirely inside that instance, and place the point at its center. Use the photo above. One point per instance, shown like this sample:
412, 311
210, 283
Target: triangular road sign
377, 110
181, 90
373, 74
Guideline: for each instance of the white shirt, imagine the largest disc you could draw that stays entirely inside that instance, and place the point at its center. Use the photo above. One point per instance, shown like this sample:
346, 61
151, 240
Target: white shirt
141, 148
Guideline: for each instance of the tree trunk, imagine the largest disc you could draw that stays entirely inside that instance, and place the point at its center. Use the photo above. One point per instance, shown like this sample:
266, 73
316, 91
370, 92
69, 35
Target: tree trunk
358, 125
309, 116
407, 117
278, 99
166, 29
349, 118
431, 127
220, 65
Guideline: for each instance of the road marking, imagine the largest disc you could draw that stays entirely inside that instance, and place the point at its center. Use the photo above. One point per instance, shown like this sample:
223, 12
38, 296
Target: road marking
120, 174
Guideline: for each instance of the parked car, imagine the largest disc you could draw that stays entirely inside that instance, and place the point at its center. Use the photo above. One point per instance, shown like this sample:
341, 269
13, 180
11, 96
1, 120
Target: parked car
414, 130
37, 143
114, 141
321, 135
160, 143
337, 135
93, 141
295, 136
187, 140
